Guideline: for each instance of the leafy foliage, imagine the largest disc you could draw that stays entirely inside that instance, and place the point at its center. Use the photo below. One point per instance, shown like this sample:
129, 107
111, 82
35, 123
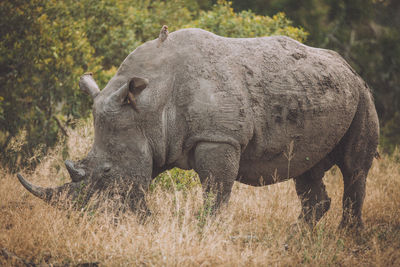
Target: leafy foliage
47, 45
42, 53
115, 28
223, 21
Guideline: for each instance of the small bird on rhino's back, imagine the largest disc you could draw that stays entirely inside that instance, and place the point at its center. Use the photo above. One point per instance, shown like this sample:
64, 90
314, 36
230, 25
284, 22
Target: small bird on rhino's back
163, 34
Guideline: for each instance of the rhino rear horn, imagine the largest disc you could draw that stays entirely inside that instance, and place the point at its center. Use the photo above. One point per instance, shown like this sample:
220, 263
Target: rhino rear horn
76, 174
89, 85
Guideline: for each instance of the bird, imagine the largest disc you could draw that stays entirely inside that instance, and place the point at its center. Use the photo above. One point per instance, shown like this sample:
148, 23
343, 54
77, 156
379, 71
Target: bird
163, 34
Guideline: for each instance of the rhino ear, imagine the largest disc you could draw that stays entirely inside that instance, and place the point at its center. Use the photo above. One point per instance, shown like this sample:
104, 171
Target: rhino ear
130, 91
135, 86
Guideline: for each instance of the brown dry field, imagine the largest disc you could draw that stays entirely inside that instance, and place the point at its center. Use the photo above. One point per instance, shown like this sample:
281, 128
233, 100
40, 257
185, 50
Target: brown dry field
254, 230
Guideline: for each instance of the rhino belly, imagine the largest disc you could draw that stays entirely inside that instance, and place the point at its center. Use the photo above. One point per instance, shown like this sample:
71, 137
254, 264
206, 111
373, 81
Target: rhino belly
291, 138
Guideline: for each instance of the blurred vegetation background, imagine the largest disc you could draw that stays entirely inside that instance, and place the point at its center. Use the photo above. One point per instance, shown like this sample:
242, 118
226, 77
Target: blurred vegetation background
46, 45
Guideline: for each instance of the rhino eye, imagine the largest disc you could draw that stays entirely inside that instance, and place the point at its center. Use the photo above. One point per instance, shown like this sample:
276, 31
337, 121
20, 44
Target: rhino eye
107, 167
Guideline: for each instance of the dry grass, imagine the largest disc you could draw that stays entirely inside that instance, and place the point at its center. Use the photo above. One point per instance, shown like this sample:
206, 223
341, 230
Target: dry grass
253, 230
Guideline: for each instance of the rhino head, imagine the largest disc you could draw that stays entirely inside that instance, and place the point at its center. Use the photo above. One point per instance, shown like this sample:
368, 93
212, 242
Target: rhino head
120, 156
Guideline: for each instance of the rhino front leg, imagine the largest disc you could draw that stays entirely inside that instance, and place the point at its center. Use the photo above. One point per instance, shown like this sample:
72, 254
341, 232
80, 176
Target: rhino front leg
217, 166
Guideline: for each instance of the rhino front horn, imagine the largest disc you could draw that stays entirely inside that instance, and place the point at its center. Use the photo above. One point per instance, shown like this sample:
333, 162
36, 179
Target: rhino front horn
43, 193
49, 194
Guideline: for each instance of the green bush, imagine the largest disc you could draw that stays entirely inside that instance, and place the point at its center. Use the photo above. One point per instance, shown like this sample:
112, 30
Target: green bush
222, 20
176, 180
43, 51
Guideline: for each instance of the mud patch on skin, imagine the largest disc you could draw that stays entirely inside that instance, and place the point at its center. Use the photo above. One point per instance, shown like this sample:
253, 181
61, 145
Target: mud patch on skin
278, 109
283, 43
292, 115
278, 119
298, 55
248, 70
327, 84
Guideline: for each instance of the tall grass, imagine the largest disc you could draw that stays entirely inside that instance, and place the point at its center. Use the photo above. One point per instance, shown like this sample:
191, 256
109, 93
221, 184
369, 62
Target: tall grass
255, 229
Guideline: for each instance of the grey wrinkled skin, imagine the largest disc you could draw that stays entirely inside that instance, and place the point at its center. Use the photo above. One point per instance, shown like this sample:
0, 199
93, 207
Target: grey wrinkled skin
229, 108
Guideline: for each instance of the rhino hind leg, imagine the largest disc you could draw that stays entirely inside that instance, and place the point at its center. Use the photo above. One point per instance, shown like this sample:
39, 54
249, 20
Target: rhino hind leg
353, 199
217, 166
312, 193
355, 165
354, 156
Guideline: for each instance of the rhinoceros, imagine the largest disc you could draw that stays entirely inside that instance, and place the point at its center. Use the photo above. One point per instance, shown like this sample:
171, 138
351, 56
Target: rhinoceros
253, 110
